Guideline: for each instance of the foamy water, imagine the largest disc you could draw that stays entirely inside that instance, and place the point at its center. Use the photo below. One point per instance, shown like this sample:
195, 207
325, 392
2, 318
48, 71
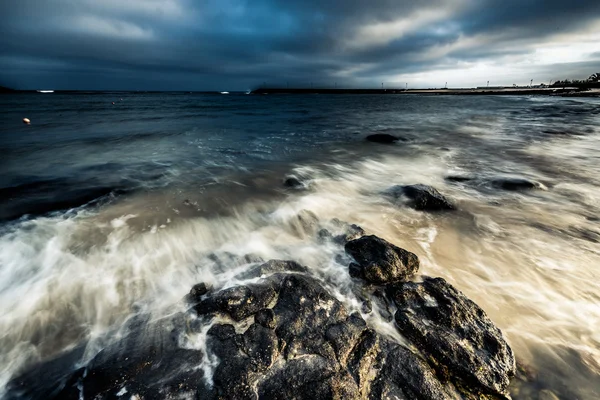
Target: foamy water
529, 259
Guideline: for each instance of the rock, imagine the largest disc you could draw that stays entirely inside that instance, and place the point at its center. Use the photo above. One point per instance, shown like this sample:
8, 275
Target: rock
293, 183
307, 346
266, 318
516, 184
26, 121
381, 261
340, 232
382, 138
271, 267
455, 335
198, 290
458, 178
304, 223
147, 361
422, 197
310, 377
404, 375
238, 302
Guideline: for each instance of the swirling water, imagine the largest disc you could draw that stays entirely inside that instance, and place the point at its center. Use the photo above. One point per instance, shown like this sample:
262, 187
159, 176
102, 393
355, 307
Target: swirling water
109, 210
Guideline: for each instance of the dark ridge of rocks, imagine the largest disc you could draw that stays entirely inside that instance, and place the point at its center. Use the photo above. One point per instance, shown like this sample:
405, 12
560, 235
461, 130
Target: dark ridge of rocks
515, 184
383, 138
379, 261
422, 197
293, 339
455, 334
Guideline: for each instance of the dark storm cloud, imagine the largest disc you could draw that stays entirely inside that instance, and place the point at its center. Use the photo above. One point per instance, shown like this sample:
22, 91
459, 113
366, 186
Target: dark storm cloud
237, 44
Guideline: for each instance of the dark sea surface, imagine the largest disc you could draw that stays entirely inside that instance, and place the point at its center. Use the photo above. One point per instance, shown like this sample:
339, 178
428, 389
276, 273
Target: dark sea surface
108, 210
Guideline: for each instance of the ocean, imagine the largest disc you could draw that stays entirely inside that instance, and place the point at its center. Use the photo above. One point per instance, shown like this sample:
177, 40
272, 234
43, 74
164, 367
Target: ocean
111, 210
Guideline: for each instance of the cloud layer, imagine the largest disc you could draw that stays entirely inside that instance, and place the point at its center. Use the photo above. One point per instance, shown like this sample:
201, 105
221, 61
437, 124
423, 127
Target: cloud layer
239, 44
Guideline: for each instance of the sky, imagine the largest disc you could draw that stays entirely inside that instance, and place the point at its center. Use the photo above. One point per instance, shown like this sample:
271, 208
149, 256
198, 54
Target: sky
243, 44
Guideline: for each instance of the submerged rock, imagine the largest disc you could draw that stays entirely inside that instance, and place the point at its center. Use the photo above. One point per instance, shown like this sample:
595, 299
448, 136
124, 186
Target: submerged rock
379, 261
422, 197
382, 138
293, 183
459, 178
457, 337
516, 184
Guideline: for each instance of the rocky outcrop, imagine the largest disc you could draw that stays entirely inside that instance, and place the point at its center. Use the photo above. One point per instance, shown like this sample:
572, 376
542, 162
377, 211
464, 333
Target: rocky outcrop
421, 197
455, 335
284, 335
379, 261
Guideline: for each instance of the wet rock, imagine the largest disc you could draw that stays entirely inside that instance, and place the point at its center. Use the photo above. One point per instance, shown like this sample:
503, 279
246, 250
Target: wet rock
458, 178
271, 267
382, 138
404, 375
379, 261
261, 346
147, 361
266, 318
340, 232
306, 346
238, 302
293, 183
310, 377
305, 223
303, 311
197, 291
345, 335
516, 184
422, 197
457, 337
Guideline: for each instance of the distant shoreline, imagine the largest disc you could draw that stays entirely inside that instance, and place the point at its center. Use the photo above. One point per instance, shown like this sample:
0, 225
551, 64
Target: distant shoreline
544, 91
549, 91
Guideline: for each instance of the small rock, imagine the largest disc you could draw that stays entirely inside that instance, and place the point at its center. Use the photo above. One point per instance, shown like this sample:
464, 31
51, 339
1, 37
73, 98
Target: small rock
515, 184
382, 138
197, 291
422, 197
293, 182
458, 178
379, 261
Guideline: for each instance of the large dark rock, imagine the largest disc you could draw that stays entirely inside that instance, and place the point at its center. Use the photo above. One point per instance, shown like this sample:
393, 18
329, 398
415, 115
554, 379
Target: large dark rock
422, 197
455, 334
382, 138
379, 261
294, 340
